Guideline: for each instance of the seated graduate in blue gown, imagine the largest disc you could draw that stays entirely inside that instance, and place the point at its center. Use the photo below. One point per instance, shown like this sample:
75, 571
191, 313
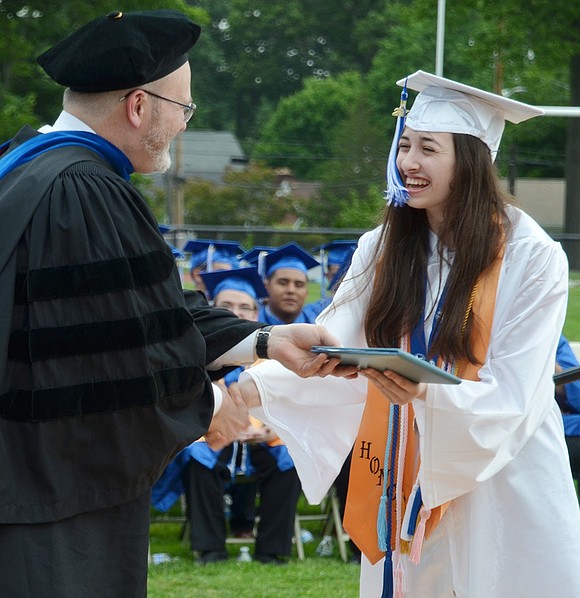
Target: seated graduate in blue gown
259, 459
568, 397
209, 256
335, 258
285, 273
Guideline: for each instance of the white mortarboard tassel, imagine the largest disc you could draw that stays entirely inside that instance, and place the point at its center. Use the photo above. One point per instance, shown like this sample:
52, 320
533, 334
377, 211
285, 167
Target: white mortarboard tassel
262, 263
396, 194
323, 270
210, 254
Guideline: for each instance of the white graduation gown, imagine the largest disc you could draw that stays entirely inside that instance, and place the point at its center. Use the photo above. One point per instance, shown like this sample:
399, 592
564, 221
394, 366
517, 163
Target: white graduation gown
495, 448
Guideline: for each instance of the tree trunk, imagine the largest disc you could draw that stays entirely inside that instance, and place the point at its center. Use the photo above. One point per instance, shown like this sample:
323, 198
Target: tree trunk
572, 218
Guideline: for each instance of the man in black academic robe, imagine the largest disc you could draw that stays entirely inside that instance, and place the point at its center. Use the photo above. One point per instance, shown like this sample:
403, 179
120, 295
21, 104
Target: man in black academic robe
102, 361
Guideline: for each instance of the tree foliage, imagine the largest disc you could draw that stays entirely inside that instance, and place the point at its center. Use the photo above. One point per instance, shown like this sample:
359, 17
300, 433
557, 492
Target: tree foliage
300, 131
249, 198
282, 76
27, 30
267, 49
361, 212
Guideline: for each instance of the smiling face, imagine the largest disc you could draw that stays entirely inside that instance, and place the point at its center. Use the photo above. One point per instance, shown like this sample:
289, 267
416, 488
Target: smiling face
426, 162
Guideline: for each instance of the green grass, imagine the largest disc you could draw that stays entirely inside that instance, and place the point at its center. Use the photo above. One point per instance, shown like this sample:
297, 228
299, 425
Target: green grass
312, 577
313, 292
327, 577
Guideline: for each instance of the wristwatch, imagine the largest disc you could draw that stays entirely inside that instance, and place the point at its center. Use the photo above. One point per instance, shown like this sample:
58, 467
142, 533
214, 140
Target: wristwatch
262, 342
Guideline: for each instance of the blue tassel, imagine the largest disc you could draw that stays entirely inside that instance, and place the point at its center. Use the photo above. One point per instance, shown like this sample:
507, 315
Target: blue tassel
323, 268
382, 524
417, 503
388, 576
396, 194
385, 516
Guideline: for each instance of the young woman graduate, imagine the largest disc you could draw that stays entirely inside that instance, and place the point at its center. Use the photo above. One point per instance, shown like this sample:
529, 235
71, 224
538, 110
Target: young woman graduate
456, 490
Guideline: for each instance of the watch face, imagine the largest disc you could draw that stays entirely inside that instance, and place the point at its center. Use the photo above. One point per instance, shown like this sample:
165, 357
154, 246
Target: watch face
262, 342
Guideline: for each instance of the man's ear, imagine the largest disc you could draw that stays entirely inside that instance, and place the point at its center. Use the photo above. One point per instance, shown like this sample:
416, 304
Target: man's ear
136, 106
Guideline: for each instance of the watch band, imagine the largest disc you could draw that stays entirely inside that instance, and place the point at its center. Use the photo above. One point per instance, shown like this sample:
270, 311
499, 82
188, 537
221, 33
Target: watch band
262, 342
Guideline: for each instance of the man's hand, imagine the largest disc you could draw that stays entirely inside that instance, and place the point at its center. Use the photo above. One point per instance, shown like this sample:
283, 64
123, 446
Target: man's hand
229, 422
290, 345
257, 435
249, 391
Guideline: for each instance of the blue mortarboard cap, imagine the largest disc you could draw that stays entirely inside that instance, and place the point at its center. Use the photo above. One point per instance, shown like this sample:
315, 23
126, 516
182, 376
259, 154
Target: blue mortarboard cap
253, 254
256, 257
336, 252
246, 280
208, 252
177, 253
339, 274
291, 256
198, 259
164, 229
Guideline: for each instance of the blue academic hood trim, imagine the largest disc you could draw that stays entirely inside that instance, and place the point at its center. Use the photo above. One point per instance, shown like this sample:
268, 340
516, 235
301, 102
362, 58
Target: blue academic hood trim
42, 143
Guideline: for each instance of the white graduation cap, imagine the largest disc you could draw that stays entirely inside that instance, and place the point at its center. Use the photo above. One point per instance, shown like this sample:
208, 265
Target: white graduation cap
446, 106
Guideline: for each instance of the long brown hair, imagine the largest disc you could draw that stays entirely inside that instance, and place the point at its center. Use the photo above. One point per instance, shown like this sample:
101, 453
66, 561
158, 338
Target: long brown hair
475, 224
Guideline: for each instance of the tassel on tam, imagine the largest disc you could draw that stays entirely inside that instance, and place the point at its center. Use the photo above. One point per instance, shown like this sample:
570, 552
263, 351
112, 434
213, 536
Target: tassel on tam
396, 194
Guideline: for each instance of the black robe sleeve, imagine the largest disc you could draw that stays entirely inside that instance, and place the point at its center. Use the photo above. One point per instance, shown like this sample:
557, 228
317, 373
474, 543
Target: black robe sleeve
103, 367
220, 328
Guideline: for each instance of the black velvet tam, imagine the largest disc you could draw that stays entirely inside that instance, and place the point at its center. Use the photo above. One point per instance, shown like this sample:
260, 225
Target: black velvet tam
121, 50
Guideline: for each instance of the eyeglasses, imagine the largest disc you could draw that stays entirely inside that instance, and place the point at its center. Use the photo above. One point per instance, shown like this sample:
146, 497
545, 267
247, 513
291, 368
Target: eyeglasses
188, 109
245, 309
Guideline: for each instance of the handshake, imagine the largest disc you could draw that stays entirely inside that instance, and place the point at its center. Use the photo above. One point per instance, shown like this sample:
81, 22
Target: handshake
290, 345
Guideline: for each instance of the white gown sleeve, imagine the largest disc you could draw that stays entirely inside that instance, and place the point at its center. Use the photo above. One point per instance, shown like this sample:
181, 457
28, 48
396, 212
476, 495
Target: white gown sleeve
318, 418
471, 431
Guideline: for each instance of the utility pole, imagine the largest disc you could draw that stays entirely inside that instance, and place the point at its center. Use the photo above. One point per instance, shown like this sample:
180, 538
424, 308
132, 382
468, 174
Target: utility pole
440, 43
174, 186
178, 211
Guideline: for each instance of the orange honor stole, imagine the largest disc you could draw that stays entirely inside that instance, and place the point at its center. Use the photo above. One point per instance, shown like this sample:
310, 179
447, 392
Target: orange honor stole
368, 468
